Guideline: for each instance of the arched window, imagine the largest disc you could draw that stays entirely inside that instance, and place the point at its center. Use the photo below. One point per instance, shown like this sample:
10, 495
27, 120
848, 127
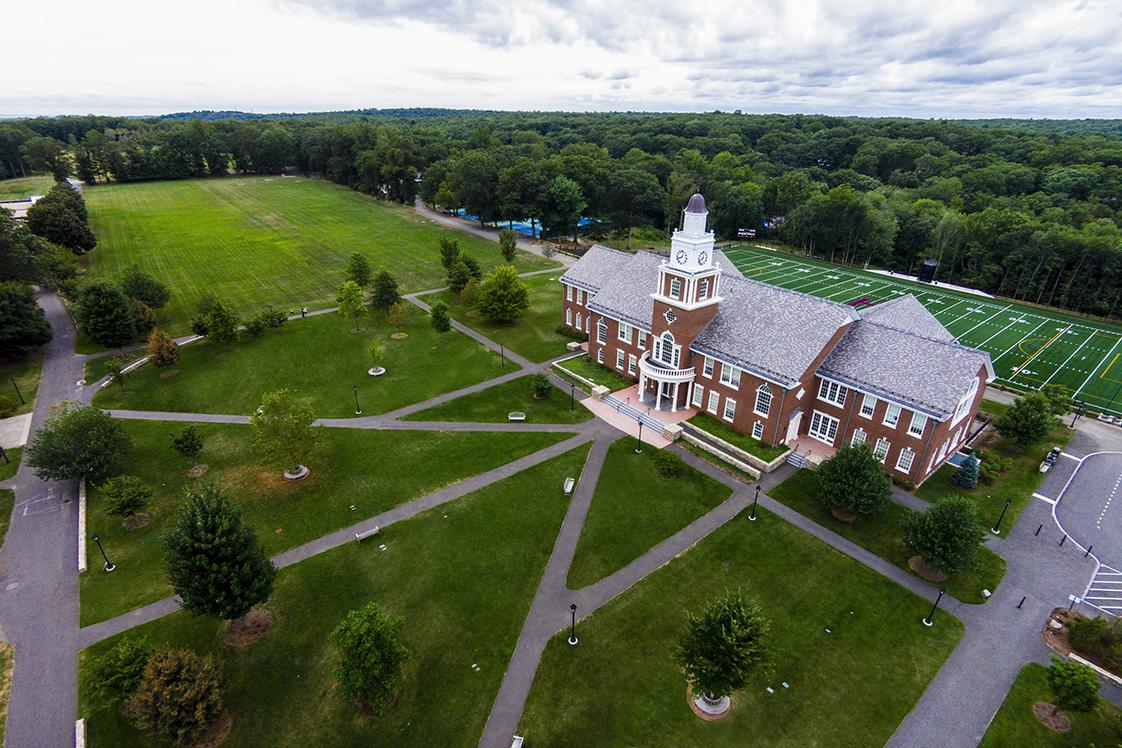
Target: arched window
667, 352
763, 400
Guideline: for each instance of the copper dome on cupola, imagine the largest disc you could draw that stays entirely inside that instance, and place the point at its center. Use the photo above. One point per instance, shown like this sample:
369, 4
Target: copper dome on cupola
696, 204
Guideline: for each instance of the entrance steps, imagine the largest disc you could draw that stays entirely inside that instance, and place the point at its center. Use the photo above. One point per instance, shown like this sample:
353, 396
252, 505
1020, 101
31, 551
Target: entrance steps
632, 412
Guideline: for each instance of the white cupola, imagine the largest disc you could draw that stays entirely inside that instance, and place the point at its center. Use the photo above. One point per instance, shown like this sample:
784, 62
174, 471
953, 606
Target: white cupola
689, 277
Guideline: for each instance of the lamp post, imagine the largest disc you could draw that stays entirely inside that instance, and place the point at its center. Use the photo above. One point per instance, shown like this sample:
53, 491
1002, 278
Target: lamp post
4, 454
109, 565
502, 357
573, 625
996, 529
755, 501
572, 396
930, 620
358, 410
1078, 412
18, 393
639, 444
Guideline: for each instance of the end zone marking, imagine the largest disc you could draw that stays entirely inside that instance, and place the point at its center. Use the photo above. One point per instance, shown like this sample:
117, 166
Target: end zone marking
1044, 498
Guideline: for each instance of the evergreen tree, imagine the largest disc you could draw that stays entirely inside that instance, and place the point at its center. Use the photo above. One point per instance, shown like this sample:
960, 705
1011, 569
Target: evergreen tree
853, 480
23, 326
114, 676
350, 301
162, 349
441, 322
77, 441
125, 495
503, 297
384, 294
60, 219
723, 646
143, 318
103, 313
459, 275
143, 287
358, 269
948, 535
188, 443
967, 474
213, 559
449, 253
221, 324
283, 431
178, 697
469, 294
371, 654
508, 245
473, 267
1028, 420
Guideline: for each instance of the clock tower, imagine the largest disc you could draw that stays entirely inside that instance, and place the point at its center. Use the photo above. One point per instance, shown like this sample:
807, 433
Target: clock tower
689, 279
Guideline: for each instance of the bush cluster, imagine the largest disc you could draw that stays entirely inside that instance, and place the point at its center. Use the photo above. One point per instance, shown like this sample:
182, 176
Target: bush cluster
1098, 639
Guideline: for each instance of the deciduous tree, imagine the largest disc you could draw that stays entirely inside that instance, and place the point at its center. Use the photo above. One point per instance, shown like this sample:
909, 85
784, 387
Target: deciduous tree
103, 313
947, 536
503, 297
1028, 420
143, 287
370, 656
283, 431
853, 480
723, 646
351, 304
1075, 686
162, 349
23, 326
77, 441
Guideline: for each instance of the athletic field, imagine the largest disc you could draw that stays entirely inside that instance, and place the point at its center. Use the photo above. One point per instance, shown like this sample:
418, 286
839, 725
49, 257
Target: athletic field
1030, 347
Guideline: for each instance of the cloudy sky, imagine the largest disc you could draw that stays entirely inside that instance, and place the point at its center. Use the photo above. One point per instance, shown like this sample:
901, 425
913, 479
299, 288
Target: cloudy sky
944, 58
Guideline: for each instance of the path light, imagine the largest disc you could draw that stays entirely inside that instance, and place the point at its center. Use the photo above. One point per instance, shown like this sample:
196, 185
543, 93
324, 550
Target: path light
755, 501
502, 357
573, 625
996, 529
358, 410
109, 565
930, 620
572, 396
18, 393
639, 444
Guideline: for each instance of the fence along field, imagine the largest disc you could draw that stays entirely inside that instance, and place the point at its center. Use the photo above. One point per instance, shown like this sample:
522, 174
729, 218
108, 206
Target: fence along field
1030, 347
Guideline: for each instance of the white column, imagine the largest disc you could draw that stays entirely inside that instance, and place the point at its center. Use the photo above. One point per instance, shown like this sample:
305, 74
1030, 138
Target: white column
658, 400
674, 402
642, 384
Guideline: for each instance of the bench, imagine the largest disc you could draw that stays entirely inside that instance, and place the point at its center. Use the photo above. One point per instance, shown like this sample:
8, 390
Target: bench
516, 741
569, 483
516, 415
361, 536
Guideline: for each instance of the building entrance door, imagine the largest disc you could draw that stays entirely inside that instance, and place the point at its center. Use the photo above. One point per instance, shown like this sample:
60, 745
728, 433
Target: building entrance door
793, 427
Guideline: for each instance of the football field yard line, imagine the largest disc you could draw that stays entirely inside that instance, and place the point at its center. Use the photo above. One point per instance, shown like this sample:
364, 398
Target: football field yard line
752, 263
1034, 356
808, 282
1097, 366
1026, 337
847, 287
1069, 358
940, 311
987, 319
784, 271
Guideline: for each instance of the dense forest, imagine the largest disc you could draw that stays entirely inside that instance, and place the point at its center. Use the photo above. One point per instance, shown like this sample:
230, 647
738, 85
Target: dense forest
1026, 210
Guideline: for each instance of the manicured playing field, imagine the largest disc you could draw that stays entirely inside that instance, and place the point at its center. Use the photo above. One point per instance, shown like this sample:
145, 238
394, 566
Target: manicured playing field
22, 188
1030, 346
254, 241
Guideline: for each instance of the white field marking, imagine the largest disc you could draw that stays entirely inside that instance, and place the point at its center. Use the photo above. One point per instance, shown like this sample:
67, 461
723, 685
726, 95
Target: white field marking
784, 269
1100, 363
1071, 457
1069, 358
1015, 321
785, 273
1043, 498
937, 312
1113, 493
756, 262
864, 292
1026, 337
807, 282
846, 287
987, 319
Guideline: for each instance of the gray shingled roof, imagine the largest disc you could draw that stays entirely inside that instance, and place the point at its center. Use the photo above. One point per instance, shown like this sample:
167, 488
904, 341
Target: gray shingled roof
596, 268
770, 330
920, 372
627, 293
907, 314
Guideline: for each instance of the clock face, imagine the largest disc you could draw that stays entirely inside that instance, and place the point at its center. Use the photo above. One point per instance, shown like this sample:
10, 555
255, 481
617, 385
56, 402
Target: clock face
670, 316
680, 257
702, 257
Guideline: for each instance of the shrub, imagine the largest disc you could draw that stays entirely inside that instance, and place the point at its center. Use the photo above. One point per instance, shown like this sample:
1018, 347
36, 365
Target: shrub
273, 317
162, 349
198, 326
178, 697
853, 480
126, 495
371, 653
188, 443
948, 535
669, 465
1088, 634
570, 332
114, 675
255, 326
540, 385
1075, 686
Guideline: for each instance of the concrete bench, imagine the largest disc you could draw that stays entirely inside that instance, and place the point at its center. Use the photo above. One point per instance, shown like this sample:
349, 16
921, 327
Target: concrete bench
569, 483
365, 534
516, 741
516, 415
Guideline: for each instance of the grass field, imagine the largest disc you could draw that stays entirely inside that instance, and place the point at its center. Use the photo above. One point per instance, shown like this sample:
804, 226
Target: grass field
22, 188
255, 241
1030, 346
494, 404
461, 576
847, 641
20, 378
11, 467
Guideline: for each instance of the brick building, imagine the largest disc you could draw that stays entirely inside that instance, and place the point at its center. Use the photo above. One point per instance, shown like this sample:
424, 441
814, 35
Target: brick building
775, 363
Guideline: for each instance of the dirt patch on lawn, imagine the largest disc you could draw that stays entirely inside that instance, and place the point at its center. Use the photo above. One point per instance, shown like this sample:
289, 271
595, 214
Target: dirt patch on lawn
919, 566
400, 335
244, 631
842, 515
216, 734
169, 373
137, 521
261, 481
198, 471
1051, 717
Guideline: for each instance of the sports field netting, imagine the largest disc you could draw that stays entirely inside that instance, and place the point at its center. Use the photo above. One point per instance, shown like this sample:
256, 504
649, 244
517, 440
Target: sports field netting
1030, 347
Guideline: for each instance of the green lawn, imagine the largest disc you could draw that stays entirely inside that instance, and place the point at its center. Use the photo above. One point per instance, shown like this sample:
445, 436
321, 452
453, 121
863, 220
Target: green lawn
461, 575
255, 241
1018, 483
8, 469
96, 368
6, 662
319, 358
1015, 725
634, 509
492, 405
533, 336
21, 377
7, 501
848, 687
22, 188
596, 373
359, 473
722, 430
882, 534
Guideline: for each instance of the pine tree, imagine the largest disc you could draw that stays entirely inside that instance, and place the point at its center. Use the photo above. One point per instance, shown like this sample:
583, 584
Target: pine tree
503, 297
508, 244
178, 697
441, 322
188, 443
384, 294
358, 269
458, 275
221, 324
23, 326
162, 349
213, 559
449, 252
967, 474
102, 312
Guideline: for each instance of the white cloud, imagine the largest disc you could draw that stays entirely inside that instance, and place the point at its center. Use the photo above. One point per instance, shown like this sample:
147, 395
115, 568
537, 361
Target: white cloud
954, 58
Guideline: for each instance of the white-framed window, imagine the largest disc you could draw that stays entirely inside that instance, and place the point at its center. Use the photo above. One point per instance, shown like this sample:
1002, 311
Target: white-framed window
824, 428
703, 289
642, 340
859, 437
892, 415
763, 400
943, 450
730, 375
579, 320
675, 288
730, 408
758, 430
601, 332
964, 404
631, 363
880, 451
665, 351
582, 296
698, 395
707, 368
619, 359
868, 405
569, 317
625, 332
599, 355
915, 428
931, 463
832, 392
904, 461
714, 401
569, 292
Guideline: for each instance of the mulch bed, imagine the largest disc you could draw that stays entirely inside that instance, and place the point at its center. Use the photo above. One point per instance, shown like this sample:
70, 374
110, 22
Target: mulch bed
216, 733
169, 374
917, 564
1051, 717
1056, 639
244, 631
198, 471
842, 515
137, 521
